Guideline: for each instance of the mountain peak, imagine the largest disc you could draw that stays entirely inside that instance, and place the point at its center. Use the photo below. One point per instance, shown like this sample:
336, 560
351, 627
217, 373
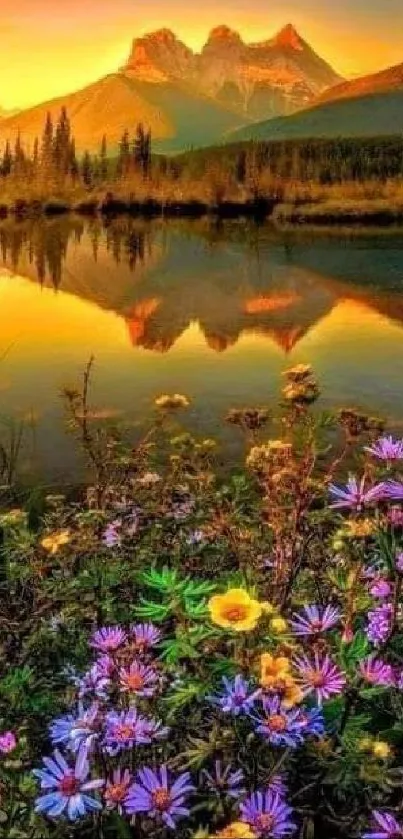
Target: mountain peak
162, 36
289, 37
224, 35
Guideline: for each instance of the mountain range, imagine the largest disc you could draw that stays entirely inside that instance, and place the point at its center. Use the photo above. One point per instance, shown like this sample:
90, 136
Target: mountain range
188, 98
367, 106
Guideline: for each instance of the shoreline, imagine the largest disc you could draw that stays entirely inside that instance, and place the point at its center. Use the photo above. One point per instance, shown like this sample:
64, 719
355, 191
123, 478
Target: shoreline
302, 213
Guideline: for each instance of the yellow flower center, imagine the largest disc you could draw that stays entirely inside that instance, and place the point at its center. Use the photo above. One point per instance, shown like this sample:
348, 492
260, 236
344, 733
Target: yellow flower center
161, 798
277, 722
235, 613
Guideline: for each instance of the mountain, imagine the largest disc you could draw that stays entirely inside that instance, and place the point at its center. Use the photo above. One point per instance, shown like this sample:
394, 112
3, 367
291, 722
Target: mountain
382, 82
187, 98
272, 77
374, 115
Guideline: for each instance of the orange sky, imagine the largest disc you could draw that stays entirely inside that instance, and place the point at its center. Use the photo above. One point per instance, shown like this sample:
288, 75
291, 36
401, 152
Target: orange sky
50, 48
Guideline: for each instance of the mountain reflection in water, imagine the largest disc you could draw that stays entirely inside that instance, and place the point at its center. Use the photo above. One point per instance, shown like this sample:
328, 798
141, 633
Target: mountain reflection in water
214, 311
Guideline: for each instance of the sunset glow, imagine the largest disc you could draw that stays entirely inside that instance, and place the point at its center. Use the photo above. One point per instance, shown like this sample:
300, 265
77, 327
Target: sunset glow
51, 49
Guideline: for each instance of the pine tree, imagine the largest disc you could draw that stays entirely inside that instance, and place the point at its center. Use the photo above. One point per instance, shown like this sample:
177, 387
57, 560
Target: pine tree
7, 162
103, 158
123, 164
87, 169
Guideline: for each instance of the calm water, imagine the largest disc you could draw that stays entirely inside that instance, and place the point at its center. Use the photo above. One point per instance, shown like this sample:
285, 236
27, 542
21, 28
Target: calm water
216, 313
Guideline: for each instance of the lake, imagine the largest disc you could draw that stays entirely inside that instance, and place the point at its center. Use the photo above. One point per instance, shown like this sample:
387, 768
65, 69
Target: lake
214, 311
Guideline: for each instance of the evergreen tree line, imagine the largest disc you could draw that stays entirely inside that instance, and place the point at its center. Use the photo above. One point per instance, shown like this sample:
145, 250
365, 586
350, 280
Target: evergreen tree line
54, 156
322, 161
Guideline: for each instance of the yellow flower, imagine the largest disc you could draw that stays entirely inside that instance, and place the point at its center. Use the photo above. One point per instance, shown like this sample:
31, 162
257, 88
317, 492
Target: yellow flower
365, 744
359, 529
235, 830
55, 541
235, 610
278, 625
273, 671
381, 749
291, 693
172, 402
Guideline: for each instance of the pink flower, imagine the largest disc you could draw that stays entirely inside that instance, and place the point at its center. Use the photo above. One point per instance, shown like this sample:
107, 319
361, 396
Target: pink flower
8, 742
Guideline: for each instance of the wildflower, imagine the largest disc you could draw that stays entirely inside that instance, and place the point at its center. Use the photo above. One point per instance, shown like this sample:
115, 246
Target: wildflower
273, 670
138, 679
279, 726
377, 672
268, 815
117, 788
235, 610
379, 624
55, 541
399, 562
158, 797
315, 619
112, 537
196, 538
358, 529
386, 448
108, 639
60, 729
238, 698
173, 402
8, 742
394, 490
312, 722
125, 730
278, 625
381, 749
380, 588
320, 676
355, 495
235, 830
290, 692
66, 787
385, 826
277, 785
224, 780
146, 636
97, 679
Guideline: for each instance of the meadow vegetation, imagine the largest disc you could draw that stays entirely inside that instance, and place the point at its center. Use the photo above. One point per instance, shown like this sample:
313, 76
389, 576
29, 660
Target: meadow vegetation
330, 178
204, 654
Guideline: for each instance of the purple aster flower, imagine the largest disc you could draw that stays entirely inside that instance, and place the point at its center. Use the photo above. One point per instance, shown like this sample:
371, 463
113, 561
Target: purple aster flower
146, 636
320, 676
224, 781
76, 730
312, 722
159, 797
66, 787
125, 730
279, 725
354, 495
386, 448
117, 788
385, 827
394, 490
108, 639
96, 681
155, 730
377, 672
8, 742
380, 588
379, 624
139, 679
112, 537
315, 619
268, 815
238, 697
